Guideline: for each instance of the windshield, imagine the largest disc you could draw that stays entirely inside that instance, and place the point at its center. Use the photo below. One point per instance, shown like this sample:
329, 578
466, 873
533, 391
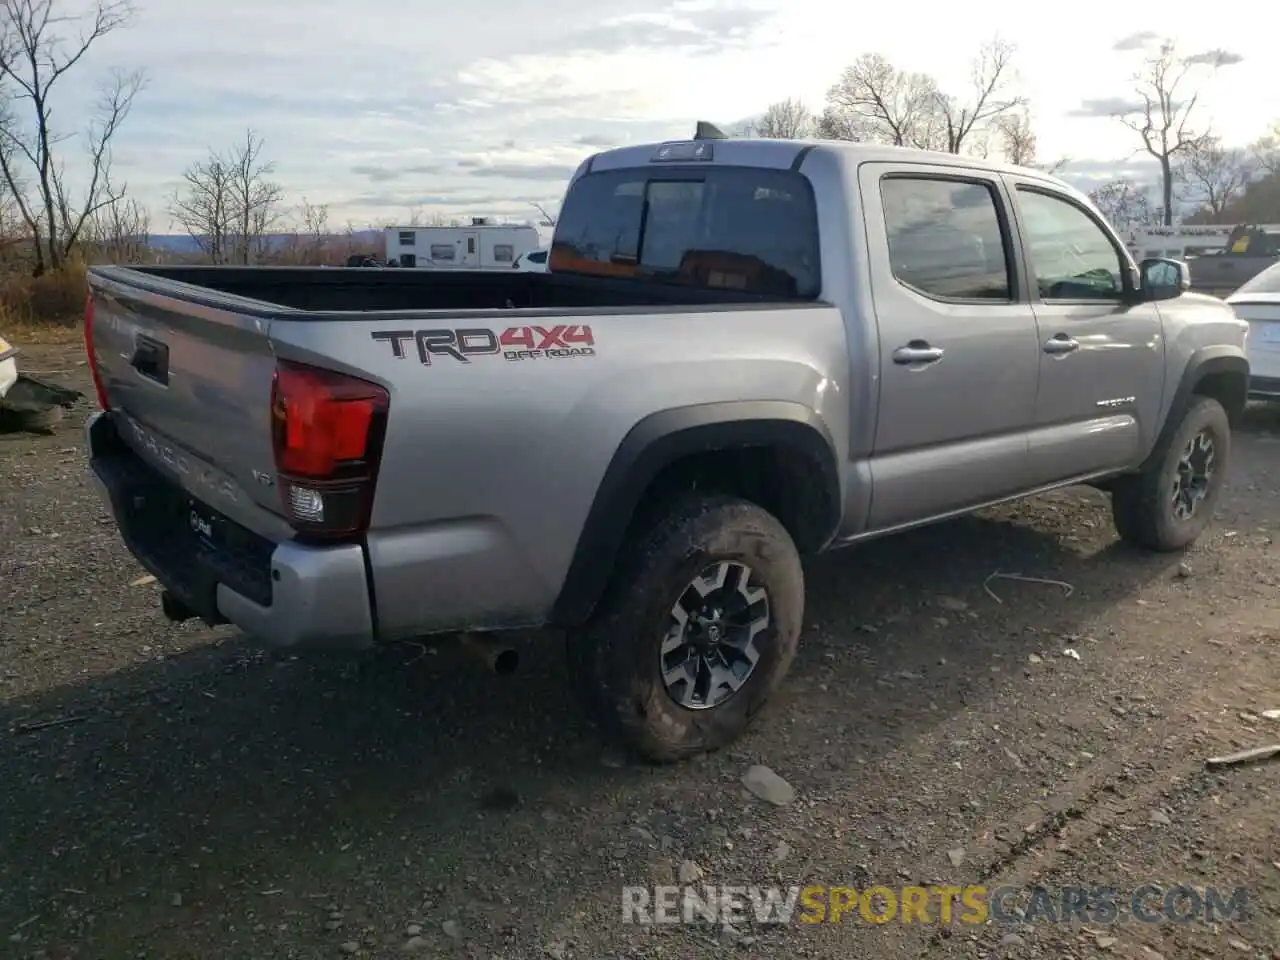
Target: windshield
739, 228
1268, 281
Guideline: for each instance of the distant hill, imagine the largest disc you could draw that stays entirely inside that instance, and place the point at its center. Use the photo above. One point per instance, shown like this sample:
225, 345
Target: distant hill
367, 241
180, 243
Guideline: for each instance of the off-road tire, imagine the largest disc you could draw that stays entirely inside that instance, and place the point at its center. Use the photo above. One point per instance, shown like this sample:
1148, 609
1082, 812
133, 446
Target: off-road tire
1142, 506
614, 660
32, 417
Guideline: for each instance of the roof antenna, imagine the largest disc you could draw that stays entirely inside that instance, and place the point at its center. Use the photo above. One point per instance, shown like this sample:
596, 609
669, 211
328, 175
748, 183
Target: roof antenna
708, 131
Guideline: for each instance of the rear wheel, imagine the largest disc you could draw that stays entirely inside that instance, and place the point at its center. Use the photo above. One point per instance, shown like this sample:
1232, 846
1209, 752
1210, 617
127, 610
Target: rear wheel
1167, 507
696, 631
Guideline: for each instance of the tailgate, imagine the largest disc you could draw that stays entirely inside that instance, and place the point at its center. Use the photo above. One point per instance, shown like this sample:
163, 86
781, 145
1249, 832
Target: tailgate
188, 378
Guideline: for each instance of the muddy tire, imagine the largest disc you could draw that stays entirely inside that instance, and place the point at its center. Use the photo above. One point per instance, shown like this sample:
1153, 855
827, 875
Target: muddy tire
695, 632
1168, 506
31, 417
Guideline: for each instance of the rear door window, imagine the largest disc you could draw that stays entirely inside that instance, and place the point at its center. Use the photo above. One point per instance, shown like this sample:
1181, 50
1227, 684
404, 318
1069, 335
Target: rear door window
741, 228
946, 239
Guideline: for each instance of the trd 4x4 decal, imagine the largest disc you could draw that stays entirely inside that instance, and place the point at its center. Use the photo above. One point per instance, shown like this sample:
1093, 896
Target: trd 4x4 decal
514, 343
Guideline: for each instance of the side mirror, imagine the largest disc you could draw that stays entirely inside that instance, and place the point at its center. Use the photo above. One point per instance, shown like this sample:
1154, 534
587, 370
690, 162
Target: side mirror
1162, 279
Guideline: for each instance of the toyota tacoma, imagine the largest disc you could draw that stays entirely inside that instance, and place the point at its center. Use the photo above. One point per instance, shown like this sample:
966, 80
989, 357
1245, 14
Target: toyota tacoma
744, 351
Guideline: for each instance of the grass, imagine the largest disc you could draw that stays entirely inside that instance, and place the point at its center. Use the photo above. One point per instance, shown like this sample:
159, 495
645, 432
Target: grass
46, 309
39, 334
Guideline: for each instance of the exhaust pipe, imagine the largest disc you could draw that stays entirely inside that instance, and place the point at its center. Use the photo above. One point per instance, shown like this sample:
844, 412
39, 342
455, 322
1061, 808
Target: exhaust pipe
497, 657
175, 609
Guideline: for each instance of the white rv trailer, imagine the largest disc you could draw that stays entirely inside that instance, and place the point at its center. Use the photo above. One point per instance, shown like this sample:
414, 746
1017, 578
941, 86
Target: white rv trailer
481, 246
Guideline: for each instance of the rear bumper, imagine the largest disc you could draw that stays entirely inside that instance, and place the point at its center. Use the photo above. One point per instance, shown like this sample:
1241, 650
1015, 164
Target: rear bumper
284, 594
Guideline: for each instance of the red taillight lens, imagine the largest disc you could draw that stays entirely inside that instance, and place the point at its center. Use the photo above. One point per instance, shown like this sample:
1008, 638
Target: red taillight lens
327, 431
91, 356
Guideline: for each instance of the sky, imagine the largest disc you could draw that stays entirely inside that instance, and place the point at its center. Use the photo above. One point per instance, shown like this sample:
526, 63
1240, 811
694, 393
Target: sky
486, 108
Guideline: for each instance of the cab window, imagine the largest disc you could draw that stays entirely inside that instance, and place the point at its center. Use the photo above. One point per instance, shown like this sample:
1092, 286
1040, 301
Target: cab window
749, 229
946, 240
1071, 256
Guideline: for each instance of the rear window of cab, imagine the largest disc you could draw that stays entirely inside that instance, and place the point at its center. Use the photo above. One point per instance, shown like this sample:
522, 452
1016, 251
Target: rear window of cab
741, 228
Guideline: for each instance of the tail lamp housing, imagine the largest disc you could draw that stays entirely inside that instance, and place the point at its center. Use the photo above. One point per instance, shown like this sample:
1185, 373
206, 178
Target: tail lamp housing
327, 430
91, 356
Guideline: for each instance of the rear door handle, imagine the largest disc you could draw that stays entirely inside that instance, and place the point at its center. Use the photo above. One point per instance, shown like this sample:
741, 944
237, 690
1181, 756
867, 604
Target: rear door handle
917, 351
1060, 344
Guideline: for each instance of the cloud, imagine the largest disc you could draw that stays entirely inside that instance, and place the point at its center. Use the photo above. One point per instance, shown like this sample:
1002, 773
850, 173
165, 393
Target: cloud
372, 115
444, 198
377, 173
1090, 174
1107, 107
533, 171
1216, 58
1136, 41
680, 28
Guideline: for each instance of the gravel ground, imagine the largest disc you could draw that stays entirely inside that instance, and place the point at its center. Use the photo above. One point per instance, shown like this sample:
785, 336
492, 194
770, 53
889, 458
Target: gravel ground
173, 792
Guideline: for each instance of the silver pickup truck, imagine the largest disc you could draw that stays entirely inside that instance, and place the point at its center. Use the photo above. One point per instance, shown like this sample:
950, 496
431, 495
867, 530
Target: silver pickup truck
744, 351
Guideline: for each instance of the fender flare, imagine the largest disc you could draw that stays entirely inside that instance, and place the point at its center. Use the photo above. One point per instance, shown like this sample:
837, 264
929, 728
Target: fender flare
658, 441
1206, 361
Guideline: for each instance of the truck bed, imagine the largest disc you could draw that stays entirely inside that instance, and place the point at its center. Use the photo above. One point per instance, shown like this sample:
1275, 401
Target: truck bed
210, 375
347, 290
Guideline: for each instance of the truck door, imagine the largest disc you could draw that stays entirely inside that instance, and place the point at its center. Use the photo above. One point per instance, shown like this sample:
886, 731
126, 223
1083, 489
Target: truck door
1101, 353
959, 350
470, 250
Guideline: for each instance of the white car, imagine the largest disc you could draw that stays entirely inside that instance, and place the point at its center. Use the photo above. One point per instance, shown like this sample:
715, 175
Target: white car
535, 261
1258, 303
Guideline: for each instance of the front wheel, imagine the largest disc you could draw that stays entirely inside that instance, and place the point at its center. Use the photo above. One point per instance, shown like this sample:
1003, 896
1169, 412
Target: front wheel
697, 629
1168, 506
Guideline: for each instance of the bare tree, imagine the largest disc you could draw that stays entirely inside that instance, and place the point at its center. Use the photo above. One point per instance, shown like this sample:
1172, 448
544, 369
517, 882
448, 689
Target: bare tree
786, 119
839, 124
888, 105
990, 98
885, 104
311, 236
119, 232
1123, 203
1017, 138
255, 196
39, 45
202, 205
1164, 113
228, 203
1018, 141
1212, 175
547, 218
1266, 152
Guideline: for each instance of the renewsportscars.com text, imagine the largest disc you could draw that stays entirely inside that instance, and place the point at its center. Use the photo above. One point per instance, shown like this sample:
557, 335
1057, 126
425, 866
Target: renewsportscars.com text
1149, 903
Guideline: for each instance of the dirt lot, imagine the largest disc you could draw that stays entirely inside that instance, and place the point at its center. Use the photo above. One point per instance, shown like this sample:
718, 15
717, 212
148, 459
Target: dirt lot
172, 792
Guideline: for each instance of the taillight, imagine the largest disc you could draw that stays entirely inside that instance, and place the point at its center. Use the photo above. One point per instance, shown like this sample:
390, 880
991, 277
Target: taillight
326, 430
91, 355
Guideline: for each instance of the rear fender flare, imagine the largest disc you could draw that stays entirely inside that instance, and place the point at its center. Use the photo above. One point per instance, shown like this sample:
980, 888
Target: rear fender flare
662, 439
